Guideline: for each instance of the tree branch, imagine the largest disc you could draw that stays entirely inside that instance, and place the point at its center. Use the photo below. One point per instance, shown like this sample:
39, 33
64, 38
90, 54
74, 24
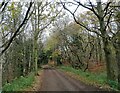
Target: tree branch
108, 20
79, 22
4, 6
93, 10
106, 10
14, 35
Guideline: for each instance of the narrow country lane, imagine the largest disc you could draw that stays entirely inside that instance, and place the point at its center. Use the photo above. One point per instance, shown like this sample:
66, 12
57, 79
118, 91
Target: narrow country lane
55, 80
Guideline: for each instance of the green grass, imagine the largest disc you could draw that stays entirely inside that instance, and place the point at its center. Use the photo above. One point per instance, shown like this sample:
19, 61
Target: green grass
96, 79
20, 83
88, 77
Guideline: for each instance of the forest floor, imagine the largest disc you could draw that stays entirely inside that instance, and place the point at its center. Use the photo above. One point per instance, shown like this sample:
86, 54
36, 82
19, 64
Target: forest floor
51, 79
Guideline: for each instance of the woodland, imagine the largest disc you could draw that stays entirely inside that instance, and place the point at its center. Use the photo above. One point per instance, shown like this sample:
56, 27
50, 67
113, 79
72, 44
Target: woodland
81, 34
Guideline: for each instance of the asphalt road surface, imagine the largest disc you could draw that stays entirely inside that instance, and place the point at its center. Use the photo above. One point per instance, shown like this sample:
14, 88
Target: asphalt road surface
55, 80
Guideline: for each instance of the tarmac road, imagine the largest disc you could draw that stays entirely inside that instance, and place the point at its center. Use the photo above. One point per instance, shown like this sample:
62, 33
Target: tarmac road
55, 80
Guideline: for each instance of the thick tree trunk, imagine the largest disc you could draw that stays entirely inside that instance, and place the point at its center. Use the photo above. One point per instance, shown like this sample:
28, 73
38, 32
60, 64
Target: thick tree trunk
117, 50
109, 60
106, 44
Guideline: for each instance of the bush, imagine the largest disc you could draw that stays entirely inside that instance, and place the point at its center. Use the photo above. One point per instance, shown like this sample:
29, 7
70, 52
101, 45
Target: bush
113, 84
19, 83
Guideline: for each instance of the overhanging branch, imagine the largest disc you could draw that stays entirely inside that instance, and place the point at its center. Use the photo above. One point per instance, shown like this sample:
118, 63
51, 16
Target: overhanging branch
63, 4
16, 32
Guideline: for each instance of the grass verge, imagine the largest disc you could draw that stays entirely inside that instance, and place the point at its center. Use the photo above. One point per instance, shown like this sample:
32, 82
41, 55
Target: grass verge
20, 83
95, 79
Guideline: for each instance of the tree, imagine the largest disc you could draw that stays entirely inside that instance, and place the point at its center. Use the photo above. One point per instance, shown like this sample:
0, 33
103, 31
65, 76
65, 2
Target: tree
2, 8
7, 44
44, 15
12, 25
103, 15
116, 43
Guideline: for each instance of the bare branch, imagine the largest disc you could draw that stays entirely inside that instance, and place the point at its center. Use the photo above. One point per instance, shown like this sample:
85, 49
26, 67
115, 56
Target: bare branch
76, 8
4, 6
79, 22
14, 35
82, 5
110, 30
106, 10
108, 4
108, 20
93, 10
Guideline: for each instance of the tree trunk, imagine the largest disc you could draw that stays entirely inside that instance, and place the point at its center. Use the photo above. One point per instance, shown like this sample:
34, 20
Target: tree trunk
109, 60
24, 57
118, 63
36, 39
117, 50
1, 61
68, 56
1, 72
99, 49
106, 44
35, 54
30, 60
